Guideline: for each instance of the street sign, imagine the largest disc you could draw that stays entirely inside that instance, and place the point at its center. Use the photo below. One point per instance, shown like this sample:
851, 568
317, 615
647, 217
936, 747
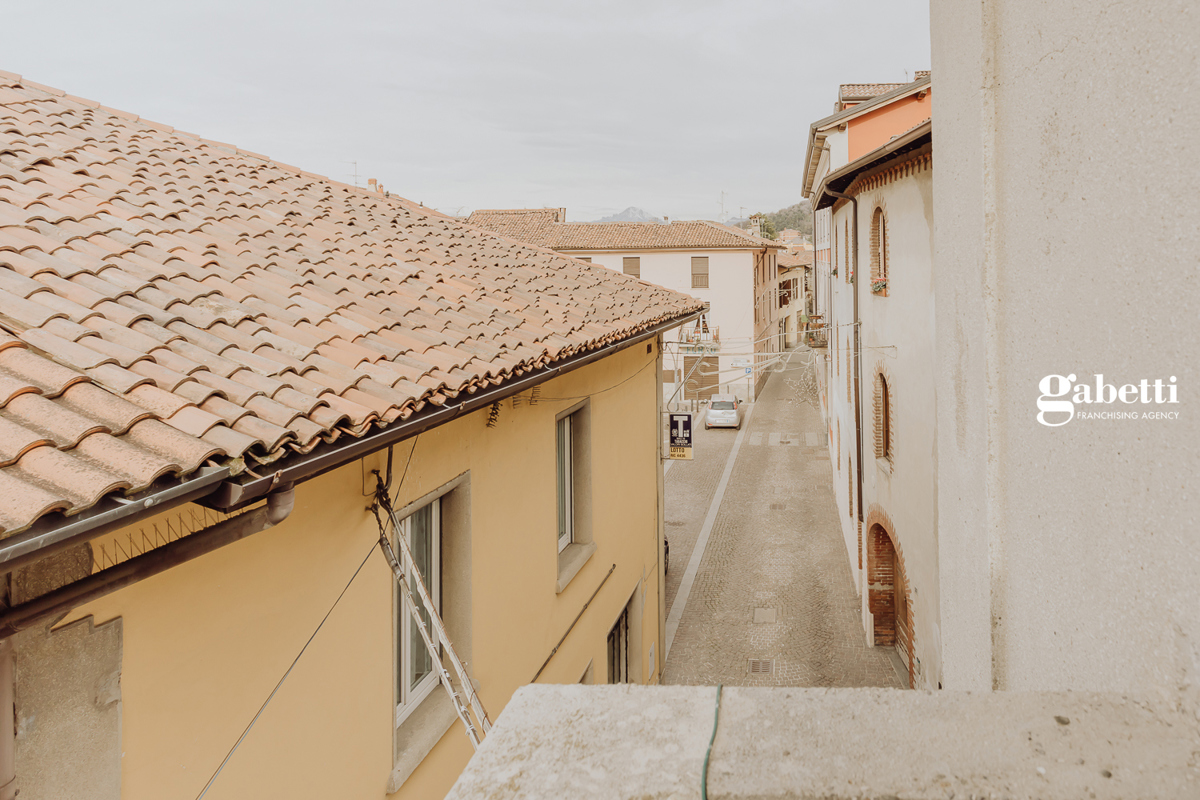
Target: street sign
741, 362
748, 370
680, 437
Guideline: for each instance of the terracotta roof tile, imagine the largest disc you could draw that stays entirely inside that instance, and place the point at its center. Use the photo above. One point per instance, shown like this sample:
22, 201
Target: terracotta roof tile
542, 229
166, 300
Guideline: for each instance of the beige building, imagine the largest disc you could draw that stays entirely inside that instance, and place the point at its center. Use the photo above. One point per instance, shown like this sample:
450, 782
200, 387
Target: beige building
793, 293
878, 391
219, 378
728, 350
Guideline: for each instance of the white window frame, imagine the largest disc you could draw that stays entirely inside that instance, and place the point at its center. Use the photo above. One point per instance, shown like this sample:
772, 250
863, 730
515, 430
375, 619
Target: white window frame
565, 473
409, 697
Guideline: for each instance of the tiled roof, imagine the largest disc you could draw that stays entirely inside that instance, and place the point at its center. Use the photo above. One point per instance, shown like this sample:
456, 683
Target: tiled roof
861, 91
795, 258
165, 300
544, 227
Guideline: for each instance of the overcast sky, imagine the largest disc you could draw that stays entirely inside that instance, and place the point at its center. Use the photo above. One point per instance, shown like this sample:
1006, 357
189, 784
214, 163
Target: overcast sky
594, 106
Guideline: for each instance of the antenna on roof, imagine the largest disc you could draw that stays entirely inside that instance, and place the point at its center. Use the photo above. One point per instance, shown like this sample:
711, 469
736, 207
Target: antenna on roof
906, 80
355, 173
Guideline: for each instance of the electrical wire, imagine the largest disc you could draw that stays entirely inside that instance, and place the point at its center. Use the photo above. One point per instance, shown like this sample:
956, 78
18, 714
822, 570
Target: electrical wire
742, 341
602, 391
404, 474
275, 691
711, 739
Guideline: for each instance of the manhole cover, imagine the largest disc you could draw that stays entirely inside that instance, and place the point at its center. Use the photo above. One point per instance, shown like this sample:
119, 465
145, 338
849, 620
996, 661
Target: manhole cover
762, 666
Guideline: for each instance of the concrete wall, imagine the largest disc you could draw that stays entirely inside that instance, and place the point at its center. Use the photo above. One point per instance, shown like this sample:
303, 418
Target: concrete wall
638, 742
67, 702
897, 340
1066, 243
730, 294
204, 643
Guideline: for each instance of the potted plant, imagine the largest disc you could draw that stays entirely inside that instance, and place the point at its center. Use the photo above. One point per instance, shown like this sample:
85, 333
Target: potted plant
879, 285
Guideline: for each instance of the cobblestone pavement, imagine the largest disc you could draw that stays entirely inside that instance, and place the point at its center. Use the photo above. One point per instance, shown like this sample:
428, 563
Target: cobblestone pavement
774, 583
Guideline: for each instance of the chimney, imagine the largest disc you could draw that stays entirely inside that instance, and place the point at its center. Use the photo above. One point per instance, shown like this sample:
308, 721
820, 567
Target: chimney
371, 182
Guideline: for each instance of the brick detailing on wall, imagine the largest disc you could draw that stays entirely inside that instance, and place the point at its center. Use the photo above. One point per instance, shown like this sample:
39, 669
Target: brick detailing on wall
883, 418
919, 161
880, 250
889, 597
860, 547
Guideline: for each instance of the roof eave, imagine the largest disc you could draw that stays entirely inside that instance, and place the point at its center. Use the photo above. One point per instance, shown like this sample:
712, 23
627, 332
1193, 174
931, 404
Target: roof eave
846, 175
863, 107
238, 493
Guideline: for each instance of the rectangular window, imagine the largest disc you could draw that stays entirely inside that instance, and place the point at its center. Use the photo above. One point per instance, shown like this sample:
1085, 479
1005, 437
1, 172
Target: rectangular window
618, 650
566, 479
588, 259
415, 676
632, 265
699, 272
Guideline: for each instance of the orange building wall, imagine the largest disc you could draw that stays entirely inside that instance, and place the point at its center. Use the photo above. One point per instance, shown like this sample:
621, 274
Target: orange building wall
876, 127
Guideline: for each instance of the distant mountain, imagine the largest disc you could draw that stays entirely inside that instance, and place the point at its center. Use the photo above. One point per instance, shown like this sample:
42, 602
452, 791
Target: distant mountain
631, 214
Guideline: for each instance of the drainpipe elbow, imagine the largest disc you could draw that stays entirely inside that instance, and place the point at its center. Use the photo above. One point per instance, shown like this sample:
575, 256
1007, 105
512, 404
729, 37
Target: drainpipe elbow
280, 503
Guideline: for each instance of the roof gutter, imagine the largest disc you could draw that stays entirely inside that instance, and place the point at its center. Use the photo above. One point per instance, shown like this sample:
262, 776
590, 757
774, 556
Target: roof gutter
60, 601
45, 538
235, 494
217, 488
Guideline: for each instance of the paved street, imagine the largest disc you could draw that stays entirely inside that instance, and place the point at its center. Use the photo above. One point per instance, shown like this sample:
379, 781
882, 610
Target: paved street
772, 582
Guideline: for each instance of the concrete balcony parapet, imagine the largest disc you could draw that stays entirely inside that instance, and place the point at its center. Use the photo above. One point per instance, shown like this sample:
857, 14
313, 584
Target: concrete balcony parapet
649, 742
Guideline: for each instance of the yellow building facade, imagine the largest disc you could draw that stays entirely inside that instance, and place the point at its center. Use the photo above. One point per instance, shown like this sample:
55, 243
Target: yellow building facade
205, 643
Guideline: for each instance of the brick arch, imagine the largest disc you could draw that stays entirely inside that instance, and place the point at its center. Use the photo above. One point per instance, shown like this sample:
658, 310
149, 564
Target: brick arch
889, 597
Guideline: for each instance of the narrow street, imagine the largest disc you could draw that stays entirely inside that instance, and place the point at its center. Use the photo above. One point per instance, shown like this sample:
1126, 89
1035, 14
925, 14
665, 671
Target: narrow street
758, 568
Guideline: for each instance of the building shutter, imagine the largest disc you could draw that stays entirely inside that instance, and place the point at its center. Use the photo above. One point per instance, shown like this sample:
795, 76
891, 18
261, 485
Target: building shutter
699, 272
705, 378
632, 265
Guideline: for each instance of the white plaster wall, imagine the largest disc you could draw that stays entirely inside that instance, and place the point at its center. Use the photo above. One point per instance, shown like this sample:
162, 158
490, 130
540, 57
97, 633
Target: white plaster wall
898, 336
838, 143
1066, 241
730, 295
840, 404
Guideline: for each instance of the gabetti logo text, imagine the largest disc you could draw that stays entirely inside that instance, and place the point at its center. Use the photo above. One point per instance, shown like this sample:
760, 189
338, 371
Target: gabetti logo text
1061, 394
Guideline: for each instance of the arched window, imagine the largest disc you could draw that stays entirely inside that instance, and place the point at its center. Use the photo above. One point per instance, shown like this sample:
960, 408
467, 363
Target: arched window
879, 253
883, 418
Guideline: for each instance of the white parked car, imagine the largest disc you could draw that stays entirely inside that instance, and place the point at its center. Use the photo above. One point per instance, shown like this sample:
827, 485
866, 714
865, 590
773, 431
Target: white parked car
724, 411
